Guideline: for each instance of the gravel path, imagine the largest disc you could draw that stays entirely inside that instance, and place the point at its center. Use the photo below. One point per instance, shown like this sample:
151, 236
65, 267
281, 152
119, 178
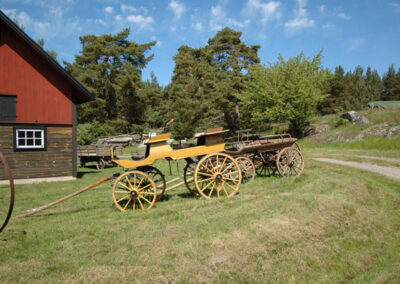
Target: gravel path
392, 172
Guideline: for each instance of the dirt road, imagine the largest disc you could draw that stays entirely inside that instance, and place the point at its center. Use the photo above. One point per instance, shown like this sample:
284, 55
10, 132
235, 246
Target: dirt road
392, 172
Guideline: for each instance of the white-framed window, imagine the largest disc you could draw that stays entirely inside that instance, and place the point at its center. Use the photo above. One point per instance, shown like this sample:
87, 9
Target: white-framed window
29, 138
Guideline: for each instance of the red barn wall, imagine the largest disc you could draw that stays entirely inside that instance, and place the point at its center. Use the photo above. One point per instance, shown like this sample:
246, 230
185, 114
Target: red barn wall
43, 96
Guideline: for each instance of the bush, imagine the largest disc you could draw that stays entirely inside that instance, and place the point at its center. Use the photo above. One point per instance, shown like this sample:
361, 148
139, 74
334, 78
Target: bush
340, 122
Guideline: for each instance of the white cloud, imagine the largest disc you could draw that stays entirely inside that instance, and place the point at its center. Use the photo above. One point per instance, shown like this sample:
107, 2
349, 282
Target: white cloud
126, 8
198, 26
140, 21
177, 8
108, 9
344, 16
300, 20
266, 11
322, 9
219, 19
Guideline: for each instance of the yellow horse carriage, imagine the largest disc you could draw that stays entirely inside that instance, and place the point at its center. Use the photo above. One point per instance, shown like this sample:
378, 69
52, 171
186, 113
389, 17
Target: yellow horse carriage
213, 173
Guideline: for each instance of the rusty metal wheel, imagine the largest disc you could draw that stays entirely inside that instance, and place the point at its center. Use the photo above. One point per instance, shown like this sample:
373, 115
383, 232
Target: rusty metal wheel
159, 179
247, 168
290, 162
188, 177
7, 194
217, 174
134, 189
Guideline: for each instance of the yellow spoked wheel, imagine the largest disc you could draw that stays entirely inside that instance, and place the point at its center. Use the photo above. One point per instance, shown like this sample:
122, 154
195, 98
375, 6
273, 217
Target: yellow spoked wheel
216, 175
290, 162
134, 190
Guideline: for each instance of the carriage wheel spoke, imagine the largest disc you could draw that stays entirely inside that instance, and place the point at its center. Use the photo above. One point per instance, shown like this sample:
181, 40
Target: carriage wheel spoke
223, 187
127, 196
145, 199
126, 205
123, 185
227, 168
140, 203
212, 189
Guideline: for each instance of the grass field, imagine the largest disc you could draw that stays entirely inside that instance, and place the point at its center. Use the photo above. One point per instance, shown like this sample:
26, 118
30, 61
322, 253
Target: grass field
331, 225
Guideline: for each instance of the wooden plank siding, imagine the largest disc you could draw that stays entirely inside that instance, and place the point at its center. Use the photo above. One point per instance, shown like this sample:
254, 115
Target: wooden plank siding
56, 161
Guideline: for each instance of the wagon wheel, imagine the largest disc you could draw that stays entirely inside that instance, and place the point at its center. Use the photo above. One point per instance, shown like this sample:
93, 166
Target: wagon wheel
159, 179
290, 162
295, 145
187, 176
6, 194
217, 174
247, 168
264, 169
101, 164
134, 189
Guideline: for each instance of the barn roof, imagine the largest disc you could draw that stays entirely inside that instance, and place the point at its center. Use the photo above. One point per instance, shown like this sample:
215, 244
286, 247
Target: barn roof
82, 94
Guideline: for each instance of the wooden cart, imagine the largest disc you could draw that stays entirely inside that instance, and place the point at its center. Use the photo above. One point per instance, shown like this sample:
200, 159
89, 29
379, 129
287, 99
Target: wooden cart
98, 154
212, 172
267, 155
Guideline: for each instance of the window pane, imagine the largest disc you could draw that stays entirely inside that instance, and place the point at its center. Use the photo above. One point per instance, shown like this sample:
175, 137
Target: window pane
21, 134
38, 142
38, 134
29, 142
29, 134
21, 142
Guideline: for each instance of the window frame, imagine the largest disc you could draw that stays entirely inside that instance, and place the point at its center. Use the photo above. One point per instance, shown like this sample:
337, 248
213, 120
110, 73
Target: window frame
42, 147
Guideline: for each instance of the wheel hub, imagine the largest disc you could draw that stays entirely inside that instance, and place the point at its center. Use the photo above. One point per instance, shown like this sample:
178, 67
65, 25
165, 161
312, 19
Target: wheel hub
218, 177
133, 194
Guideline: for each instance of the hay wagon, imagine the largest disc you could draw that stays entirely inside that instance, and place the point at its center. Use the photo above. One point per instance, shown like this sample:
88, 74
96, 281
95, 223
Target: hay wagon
266, 155
209, 172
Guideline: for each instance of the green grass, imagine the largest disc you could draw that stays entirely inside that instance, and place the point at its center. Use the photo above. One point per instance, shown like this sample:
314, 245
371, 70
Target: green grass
332, 224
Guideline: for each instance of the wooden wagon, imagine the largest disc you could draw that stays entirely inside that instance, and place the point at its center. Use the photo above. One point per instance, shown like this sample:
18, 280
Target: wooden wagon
266, 155
95, 153
212, 172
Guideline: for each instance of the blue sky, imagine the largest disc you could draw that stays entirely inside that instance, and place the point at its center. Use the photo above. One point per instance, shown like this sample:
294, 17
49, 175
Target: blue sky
351, 33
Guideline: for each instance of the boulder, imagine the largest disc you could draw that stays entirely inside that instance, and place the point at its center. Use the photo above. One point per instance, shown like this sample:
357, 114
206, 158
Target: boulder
315, 129
354, 117
394, 131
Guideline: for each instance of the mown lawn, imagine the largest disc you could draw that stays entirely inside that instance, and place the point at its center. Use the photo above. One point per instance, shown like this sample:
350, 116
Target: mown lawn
331, 225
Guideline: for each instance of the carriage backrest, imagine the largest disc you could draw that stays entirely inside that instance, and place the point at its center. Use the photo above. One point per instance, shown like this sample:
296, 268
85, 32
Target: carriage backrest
158, 144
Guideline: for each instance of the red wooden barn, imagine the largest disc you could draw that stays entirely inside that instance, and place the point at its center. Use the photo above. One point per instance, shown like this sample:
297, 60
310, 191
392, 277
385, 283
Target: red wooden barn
38, 101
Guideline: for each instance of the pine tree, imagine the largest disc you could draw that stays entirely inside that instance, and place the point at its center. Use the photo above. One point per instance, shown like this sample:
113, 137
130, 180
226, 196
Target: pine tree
110, 67
389, 85
233, 59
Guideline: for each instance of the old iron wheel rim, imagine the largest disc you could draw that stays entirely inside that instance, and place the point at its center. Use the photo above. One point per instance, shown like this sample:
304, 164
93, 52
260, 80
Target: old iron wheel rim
247, 168
217, 175
290, 162
134, 190
5, 214
263, 169
188, 174
159, 179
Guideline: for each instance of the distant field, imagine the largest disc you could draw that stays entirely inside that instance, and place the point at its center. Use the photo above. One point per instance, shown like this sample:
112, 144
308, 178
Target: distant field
331, 225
